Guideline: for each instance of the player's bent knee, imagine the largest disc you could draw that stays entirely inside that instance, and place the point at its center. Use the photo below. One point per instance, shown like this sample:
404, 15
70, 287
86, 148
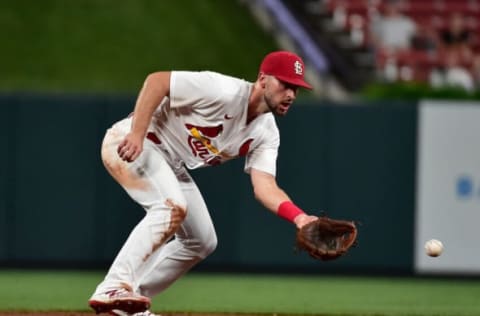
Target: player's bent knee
179, 211
177, 216
166, 221
207, 247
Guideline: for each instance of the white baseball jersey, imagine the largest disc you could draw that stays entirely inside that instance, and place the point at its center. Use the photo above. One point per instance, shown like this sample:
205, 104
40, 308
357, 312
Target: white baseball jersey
204, 122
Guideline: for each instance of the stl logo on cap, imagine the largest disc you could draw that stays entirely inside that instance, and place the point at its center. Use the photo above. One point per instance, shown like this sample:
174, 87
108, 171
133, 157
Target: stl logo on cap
298, 67
285, 66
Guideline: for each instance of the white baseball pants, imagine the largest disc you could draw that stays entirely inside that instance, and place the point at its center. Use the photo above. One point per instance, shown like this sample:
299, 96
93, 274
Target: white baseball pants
150, 260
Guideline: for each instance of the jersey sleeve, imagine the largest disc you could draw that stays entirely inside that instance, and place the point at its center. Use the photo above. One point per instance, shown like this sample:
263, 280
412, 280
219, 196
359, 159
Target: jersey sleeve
190, 88
264, 156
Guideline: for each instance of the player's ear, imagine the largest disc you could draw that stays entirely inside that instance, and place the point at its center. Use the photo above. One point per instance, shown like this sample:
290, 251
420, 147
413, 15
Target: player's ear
262, 79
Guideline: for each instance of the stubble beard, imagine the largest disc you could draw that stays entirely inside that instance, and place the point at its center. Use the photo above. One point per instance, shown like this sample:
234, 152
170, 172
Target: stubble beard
273, 107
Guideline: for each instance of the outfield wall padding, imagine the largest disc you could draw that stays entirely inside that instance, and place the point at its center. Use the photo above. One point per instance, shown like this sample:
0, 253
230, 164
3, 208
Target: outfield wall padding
59, 206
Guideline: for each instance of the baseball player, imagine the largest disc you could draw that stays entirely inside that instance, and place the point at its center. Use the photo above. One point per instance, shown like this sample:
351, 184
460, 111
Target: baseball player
185, 120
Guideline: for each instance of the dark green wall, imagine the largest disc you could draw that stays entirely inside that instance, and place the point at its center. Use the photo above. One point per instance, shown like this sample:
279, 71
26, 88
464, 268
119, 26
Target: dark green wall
59, 206
349, 161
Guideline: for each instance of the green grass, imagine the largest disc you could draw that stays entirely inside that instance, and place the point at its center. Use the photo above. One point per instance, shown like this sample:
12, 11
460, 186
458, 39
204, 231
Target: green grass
109, 45
312, 295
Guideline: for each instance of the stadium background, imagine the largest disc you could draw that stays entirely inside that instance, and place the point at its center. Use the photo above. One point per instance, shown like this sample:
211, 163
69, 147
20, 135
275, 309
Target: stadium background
69, 70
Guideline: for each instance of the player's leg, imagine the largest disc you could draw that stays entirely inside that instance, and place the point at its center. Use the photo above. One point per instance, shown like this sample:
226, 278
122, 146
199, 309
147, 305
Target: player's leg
150, 181
194, 240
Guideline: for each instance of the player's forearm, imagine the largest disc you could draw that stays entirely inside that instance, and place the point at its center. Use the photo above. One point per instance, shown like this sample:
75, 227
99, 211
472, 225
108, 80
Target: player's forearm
155, 88
276, 200
267, 192
271, 196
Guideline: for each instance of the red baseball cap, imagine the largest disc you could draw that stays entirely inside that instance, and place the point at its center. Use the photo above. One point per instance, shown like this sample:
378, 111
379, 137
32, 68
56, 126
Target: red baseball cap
285, 66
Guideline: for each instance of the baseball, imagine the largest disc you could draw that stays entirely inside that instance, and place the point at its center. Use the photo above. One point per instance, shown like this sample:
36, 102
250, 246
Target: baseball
434, 248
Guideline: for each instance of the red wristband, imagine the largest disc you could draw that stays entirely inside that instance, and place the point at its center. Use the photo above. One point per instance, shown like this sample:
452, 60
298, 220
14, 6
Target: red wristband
287, 210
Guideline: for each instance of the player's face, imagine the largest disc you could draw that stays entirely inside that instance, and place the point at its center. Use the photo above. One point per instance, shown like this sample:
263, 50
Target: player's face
279, 95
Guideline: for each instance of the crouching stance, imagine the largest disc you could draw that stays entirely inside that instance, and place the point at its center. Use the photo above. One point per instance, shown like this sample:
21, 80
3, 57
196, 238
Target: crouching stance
186, 120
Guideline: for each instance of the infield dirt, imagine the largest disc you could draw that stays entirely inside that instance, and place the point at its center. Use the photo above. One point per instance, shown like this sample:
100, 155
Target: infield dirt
93, 314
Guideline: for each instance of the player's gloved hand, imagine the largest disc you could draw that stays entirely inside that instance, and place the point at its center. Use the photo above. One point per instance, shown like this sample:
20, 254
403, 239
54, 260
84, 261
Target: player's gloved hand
304, 219
326, 238
131, 147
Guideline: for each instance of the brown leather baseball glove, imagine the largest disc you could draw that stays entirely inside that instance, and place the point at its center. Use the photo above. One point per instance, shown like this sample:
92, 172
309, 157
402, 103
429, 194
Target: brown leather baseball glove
326, 238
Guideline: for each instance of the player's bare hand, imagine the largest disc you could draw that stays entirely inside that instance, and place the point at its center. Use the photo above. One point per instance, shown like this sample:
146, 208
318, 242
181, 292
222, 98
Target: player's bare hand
130, 148
304, 219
